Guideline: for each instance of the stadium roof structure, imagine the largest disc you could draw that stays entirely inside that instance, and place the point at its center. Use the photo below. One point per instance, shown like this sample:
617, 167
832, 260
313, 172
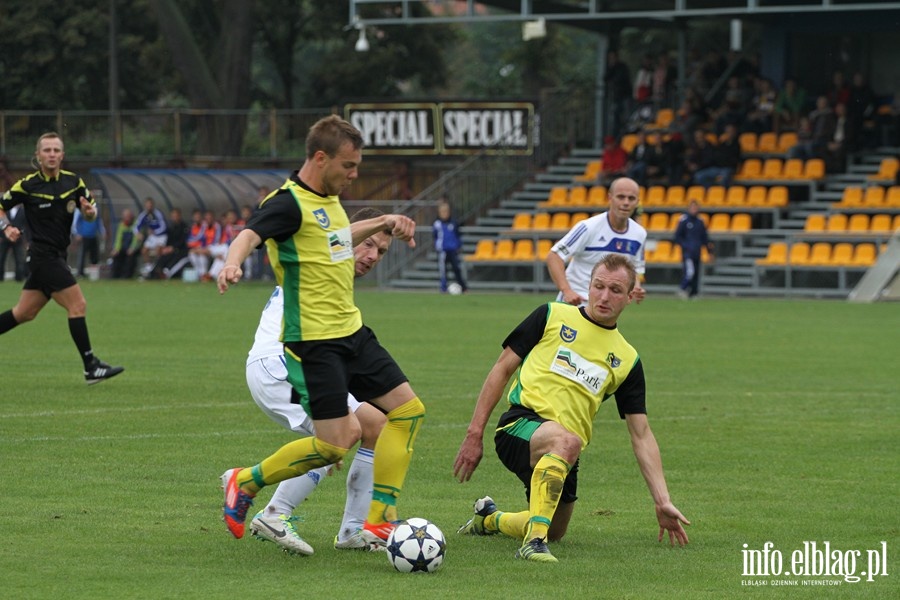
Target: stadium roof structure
598, 14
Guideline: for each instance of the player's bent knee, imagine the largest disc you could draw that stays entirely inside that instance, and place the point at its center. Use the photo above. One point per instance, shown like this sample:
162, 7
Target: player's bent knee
330, 452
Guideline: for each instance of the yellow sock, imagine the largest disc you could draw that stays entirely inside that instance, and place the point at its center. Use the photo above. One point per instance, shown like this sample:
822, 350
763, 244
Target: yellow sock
293, 459
393, 452
511, 524
546, 487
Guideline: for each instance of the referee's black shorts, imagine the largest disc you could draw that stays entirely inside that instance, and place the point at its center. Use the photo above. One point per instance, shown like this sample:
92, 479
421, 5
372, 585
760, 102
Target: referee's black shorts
512, 443
48, 274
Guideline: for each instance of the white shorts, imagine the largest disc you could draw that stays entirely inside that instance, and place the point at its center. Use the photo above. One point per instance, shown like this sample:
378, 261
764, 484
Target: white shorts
154, 242
267, 380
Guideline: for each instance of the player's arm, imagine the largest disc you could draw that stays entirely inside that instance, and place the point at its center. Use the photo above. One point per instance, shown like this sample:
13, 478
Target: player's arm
399, 226
7, 229
472, 448
557, 269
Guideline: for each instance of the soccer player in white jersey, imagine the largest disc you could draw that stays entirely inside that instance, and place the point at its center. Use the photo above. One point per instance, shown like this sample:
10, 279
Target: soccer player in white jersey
267, 380
611, 232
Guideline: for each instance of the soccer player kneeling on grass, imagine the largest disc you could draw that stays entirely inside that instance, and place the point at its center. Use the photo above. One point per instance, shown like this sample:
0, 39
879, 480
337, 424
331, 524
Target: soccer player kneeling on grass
576, 359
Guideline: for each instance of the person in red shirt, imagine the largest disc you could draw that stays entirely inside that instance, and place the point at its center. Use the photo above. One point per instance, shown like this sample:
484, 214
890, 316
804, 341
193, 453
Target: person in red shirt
615, 160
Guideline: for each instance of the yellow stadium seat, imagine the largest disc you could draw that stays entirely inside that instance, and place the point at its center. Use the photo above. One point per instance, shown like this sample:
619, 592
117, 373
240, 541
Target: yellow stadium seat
798, 253
522, 221
591, 171
815, 223
887, 170
559, 196
865, 255
814, 168
597, 196
896, 225
719, 222
892, 198
793, 169
658, 222
577, 196
543, 249
503, 250
674, 220
656, 196
858, 223
772, 168
786, 141
880, 224
705, 218
541, 221
559, 220
675, 196
695, 192
842, 255
484, 250
748, 142
767, 143
523, 250
750, 169
820, 254
736, 196
873, 197
662, 252
837, 223
851, 196
577, 218
664, 118
776, 255
715, 196
741, 222
777, 196
629, 141
675, 254
756, 195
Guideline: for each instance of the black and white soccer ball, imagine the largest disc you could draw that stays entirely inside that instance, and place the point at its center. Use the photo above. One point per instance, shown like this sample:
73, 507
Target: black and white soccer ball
416, 545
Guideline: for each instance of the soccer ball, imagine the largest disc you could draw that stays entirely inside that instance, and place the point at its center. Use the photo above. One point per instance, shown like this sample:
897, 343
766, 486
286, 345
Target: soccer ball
454, 289
416, 545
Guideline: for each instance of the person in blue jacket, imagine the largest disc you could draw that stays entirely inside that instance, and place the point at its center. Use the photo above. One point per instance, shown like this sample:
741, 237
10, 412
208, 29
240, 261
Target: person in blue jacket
692, 236
447, 243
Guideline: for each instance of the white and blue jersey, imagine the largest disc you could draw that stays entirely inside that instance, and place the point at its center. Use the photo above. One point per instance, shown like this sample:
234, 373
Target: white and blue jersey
592, 239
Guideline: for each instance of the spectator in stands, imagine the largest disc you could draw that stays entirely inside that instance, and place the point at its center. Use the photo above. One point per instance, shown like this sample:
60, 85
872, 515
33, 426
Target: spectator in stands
618, 86
839, 91
713, 67
664, 77
861, 110
218, 252
173, 257
88, 236
643, 81
126, 247
151, 225
571, 259
726, 158
699, 155
645, 160
691, 114
692, 236
19, 247
448, 245
790, 105
674, 158
821, 130
203, 236
615, 160
762, 107
842, 141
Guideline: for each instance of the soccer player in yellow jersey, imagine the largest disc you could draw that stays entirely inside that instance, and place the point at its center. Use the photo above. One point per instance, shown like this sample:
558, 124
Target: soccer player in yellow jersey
328, 351
566, 361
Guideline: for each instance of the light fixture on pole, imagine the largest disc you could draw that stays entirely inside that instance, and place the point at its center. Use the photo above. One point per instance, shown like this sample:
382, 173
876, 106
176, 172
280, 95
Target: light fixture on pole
534, 30
362, 43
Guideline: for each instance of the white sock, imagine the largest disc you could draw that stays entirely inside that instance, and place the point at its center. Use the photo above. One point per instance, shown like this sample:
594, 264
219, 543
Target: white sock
360, 479
290, 493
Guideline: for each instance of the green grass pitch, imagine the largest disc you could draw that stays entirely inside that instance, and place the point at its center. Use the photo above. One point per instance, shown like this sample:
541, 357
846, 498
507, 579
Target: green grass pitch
778, 422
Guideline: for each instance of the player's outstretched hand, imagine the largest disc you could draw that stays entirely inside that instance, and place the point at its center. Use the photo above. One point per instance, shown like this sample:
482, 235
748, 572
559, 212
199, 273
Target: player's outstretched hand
228, 274
639, 294
467, 458
670, 519
402, 228
87, 209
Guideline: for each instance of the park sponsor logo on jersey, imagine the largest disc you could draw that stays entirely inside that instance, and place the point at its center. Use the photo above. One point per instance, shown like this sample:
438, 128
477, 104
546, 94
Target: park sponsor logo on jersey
567, 334
575, 367
322, 218
340, 243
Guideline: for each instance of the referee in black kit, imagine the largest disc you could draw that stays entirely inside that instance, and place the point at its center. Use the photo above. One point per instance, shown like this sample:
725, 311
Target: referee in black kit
50, 197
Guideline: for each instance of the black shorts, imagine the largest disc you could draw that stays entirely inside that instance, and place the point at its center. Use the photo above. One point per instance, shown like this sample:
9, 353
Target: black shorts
514, 430
322, 372
48, 274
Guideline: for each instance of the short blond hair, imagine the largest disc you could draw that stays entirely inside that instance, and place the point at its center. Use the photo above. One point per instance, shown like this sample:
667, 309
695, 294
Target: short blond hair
614, 262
